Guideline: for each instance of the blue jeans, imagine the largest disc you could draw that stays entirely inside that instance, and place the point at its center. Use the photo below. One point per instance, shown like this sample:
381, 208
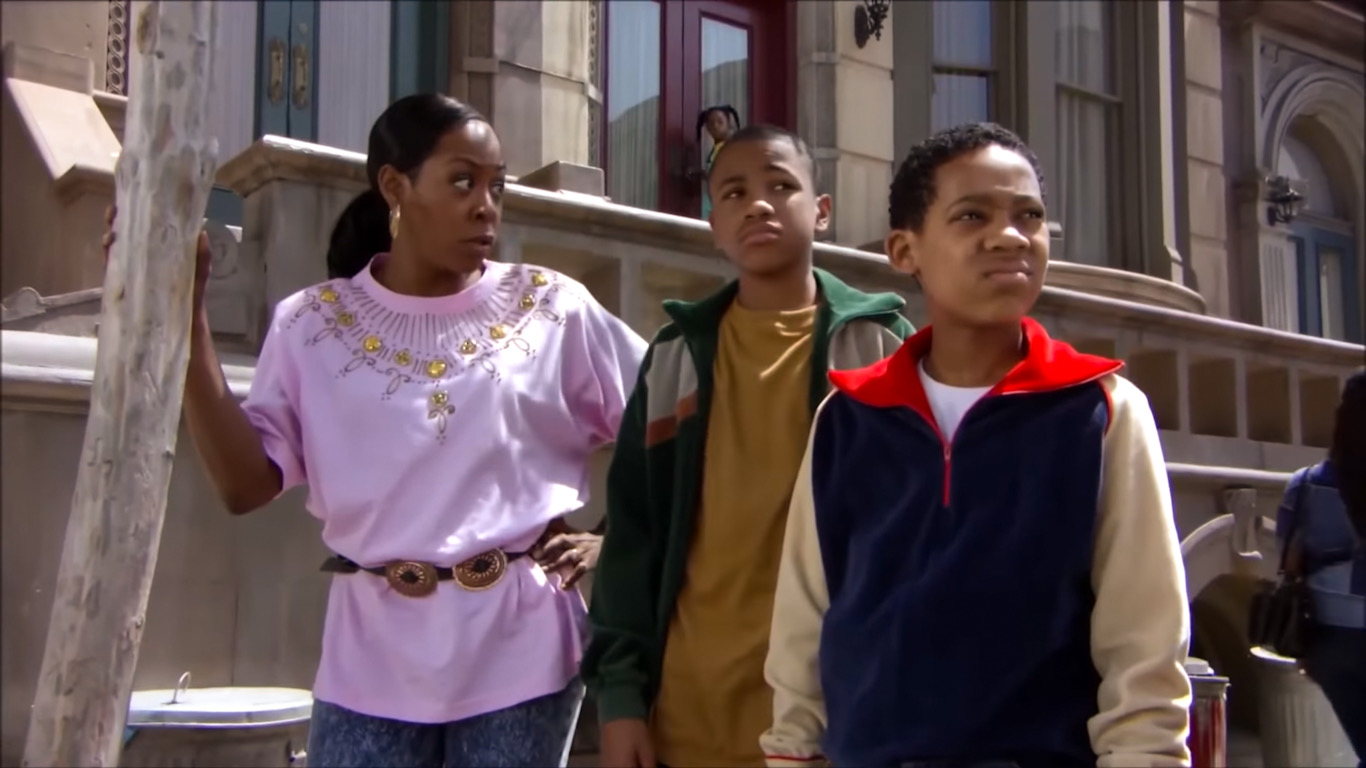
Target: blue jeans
1337, 662
534, 733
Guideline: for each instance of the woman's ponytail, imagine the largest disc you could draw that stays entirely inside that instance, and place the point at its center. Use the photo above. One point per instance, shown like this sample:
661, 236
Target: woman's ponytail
362, 231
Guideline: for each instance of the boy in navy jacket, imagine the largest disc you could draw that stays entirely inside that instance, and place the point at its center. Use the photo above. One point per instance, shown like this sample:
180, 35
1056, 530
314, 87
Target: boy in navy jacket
981, 565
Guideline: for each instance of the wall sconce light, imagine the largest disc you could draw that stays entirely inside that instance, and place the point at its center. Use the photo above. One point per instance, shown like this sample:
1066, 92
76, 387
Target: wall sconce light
868, 18
1284, 198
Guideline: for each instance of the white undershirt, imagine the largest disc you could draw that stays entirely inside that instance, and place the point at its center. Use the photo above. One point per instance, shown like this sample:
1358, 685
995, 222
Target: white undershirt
948, 403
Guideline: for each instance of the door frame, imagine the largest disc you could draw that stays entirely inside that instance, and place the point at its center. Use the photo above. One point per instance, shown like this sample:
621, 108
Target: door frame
773, 26
1308, 239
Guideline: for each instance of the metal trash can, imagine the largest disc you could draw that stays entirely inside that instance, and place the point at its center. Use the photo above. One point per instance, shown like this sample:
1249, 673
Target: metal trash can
1208, 739
192, 727
1299, 727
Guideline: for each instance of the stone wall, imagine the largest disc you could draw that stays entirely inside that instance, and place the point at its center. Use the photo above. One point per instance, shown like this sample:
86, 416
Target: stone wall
1204, 160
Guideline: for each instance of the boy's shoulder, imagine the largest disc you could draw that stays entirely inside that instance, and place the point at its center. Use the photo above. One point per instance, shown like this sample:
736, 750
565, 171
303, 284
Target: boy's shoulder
847, 301
667, 360
1126, 401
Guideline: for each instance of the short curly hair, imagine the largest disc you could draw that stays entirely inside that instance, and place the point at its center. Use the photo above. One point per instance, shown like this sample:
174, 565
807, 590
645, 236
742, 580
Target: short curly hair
913, 189
758, 132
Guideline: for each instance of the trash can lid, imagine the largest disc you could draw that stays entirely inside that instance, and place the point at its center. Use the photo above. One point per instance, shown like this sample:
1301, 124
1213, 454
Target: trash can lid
1198, 666
239, 707
1271, 657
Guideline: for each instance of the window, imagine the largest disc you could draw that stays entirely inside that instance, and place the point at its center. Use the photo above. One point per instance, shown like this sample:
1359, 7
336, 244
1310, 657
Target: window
1326, 267
665, 62
963, 71
1087, 130
633, 102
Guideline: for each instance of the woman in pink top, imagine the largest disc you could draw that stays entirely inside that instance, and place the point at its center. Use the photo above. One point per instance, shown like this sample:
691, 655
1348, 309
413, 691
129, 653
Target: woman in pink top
441, 408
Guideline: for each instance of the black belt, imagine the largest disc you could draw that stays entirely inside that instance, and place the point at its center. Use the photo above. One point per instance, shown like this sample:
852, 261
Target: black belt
415, 578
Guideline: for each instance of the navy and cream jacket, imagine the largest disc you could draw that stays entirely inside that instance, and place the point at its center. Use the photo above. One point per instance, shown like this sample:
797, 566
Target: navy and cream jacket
1017, 595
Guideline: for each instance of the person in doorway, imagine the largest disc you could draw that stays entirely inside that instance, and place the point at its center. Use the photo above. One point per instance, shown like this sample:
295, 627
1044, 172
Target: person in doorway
441, 408
1323, 514
719, 122
709, 447
981, 566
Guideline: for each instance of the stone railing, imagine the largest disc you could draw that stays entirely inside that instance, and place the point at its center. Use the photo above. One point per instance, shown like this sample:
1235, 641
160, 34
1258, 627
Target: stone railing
58, 155
1222, 392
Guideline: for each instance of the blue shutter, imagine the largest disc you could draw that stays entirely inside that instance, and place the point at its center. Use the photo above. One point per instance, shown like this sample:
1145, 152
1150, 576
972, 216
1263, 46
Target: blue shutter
303, 38
282, 25
272, 104
287, 27
420, 48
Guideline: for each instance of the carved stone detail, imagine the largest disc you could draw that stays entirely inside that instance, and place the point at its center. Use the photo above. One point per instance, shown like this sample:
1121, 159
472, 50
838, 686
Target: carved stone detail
1278, 61
226, 295
1241, 503
595, 76
116, 47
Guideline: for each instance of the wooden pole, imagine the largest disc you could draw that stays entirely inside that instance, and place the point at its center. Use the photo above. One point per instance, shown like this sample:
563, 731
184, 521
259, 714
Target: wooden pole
164, 176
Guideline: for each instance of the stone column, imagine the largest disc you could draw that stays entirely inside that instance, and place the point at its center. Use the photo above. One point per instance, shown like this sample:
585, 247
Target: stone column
1203, 163
845, 113
530, 67
293, 193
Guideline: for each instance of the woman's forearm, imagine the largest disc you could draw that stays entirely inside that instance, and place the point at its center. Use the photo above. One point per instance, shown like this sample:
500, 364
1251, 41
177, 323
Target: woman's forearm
228, 444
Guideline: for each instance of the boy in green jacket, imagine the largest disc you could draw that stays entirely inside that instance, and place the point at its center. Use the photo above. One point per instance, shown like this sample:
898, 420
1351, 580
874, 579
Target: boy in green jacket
705, 461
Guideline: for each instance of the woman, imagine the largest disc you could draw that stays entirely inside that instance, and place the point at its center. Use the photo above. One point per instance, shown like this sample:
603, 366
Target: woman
1324, 514
441, 408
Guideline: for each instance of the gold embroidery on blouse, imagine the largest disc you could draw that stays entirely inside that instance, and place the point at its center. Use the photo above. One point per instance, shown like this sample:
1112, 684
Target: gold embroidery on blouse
405, 348
438, 409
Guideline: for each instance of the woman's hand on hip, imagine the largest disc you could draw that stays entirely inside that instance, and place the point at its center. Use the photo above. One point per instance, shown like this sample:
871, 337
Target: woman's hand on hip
569, 554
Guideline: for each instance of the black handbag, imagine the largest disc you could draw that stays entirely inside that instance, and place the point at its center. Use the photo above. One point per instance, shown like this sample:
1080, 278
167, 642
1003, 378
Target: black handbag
1281, 618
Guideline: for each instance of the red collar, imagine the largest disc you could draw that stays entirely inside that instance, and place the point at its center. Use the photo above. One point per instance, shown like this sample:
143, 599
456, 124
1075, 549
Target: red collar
1048, 365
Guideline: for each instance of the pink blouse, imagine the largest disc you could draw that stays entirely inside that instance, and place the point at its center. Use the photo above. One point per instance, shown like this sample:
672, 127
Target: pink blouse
434, 429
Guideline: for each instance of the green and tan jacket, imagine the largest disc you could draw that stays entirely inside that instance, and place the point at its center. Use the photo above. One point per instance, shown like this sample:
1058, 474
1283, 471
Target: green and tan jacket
655, 477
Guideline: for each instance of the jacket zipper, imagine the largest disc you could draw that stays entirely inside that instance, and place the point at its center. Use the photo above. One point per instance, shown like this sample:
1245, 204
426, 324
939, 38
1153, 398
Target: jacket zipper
948, 473
948, 448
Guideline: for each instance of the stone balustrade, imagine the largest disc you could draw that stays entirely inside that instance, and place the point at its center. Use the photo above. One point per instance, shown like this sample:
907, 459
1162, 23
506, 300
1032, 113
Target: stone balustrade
1218, 388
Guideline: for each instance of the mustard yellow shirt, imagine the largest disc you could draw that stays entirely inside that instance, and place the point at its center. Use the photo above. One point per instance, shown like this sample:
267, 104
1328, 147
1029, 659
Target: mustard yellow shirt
713, 701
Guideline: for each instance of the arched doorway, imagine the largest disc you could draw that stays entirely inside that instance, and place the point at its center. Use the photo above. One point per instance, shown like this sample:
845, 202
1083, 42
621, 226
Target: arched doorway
1323, 234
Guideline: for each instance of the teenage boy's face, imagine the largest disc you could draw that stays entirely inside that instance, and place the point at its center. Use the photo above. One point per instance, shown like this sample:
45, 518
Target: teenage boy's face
765, 212
982, 252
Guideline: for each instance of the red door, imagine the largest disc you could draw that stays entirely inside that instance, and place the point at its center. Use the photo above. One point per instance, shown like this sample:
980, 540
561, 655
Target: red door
667, 60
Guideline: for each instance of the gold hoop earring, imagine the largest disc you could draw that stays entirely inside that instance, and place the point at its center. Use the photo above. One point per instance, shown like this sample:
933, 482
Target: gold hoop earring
393, 223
